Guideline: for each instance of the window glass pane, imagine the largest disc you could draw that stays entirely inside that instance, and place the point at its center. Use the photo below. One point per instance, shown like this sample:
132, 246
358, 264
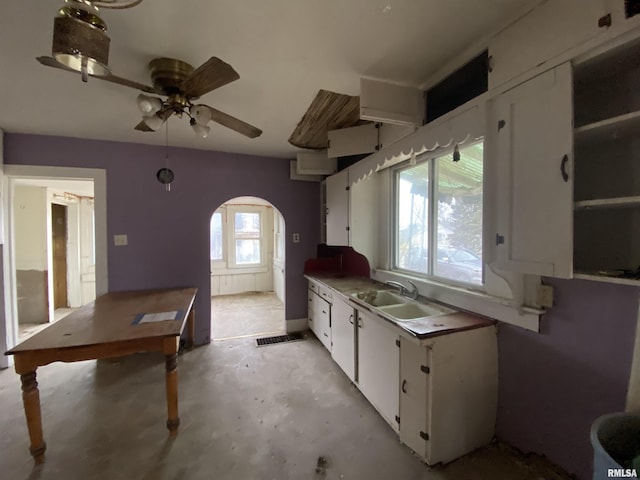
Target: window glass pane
247, 225
216, 236
413, 218
459, 216
247, 252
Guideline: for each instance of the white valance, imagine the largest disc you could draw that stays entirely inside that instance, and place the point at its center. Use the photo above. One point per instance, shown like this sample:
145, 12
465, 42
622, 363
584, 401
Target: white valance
457, 127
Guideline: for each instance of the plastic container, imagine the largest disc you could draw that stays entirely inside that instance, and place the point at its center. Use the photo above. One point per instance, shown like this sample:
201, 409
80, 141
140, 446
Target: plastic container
616, 442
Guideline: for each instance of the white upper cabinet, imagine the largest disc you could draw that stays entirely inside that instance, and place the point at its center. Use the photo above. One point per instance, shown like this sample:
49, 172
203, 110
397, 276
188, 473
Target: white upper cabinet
549, 30
353, 140
534, 155
337, 209
390, 103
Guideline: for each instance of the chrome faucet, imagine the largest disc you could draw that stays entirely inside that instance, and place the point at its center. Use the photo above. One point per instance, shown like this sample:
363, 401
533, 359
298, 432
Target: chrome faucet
413, 293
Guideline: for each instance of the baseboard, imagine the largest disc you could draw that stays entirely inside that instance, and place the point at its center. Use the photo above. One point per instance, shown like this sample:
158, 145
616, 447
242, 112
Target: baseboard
296, 325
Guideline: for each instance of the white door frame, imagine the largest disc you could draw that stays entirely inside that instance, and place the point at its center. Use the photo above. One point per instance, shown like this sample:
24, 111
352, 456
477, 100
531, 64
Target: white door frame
11, 172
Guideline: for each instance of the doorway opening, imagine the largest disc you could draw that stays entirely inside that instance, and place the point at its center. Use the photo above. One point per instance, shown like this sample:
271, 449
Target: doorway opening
52, 224
247, 264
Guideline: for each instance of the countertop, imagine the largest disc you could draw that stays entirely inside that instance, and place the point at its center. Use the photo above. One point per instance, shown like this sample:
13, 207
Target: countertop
419, 328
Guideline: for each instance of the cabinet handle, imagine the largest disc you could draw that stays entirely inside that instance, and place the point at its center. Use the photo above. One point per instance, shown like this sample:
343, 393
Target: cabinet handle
351, 319
360, 323
325, 335
404, 386
563, 168
310, 319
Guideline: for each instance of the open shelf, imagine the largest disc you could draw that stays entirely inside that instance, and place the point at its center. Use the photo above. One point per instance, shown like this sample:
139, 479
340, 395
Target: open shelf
607, 203
611, 128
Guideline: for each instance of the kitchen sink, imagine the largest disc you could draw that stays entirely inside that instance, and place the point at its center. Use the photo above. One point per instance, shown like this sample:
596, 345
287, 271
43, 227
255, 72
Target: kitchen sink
380, 298
410, 310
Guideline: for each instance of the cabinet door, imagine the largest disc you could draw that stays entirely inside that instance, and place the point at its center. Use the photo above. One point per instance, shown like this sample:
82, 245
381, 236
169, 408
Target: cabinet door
352, 140
414, 397
338, 208
343, 336
534, 148
322, 319
379, 365
547, 31
310, 311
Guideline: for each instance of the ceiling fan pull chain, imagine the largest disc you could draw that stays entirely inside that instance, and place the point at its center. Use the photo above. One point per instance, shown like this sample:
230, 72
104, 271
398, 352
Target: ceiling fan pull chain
166, 154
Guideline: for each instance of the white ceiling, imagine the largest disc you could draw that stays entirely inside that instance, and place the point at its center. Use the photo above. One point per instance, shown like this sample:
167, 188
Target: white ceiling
284, 51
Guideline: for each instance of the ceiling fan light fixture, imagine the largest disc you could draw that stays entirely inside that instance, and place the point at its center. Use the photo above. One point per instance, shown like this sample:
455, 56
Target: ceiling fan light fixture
80, 41
154, 122
200, 130
148, 105
201, 114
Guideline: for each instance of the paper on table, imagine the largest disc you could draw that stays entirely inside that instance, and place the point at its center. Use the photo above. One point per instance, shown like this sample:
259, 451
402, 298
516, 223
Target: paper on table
158, 317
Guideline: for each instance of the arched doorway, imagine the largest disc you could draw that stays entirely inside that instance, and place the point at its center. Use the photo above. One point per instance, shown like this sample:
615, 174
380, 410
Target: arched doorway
247, 267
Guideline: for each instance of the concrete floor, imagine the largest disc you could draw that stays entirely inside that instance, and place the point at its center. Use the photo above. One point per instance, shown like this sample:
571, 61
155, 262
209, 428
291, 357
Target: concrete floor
247, 413
245, 314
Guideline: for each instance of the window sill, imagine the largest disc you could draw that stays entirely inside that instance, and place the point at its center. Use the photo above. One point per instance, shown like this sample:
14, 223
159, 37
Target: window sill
470, 300
239, 270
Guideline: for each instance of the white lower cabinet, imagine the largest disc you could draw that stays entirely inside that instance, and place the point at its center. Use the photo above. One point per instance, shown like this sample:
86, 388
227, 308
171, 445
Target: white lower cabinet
343, 339
319, 318
439, 394
448, 394
379, 365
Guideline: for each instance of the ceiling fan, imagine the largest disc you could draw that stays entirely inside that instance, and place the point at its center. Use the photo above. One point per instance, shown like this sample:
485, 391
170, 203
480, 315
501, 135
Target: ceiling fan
81, 45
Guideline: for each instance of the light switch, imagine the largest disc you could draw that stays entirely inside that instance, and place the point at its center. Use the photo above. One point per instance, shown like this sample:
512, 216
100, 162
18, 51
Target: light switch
120, 240
296, 238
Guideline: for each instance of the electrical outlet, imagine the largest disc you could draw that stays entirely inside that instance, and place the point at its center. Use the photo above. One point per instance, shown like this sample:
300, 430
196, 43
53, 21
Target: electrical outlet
545, 295
120, 240
296, 238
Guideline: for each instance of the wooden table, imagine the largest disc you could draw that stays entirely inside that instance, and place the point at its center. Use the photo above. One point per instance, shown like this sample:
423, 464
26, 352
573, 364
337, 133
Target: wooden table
107, 328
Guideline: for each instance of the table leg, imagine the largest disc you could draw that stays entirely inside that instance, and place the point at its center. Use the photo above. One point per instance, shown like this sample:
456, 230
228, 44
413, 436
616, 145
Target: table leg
191, 328
31, 400
173, 421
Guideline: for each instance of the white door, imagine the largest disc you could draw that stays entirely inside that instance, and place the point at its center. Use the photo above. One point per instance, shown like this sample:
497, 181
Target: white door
343, 336
338, 208
379, 365
534, 147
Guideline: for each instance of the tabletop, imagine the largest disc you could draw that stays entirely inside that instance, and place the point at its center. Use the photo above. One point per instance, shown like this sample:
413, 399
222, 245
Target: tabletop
112, 318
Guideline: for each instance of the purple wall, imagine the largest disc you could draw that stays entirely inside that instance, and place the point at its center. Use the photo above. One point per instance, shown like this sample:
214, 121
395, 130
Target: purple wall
554, 384
168, 233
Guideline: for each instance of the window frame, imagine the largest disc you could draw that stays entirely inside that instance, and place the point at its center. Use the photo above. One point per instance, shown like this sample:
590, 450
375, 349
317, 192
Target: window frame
432, 186
220, 262
227, 265
232, 210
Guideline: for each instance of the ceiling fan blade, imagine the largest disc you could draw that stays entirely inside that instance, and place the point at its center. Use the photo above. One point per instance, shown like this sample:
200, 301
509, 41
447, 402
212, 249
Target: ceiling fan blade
128, 83
143, 127
212, 74
165, 113
233, 123
52, 62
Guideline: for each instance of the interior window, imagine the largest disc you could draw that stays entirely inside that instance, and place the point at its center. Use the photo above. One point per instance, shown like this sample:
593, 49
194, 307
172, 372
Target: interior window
452, 226
247, 234
216, 236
